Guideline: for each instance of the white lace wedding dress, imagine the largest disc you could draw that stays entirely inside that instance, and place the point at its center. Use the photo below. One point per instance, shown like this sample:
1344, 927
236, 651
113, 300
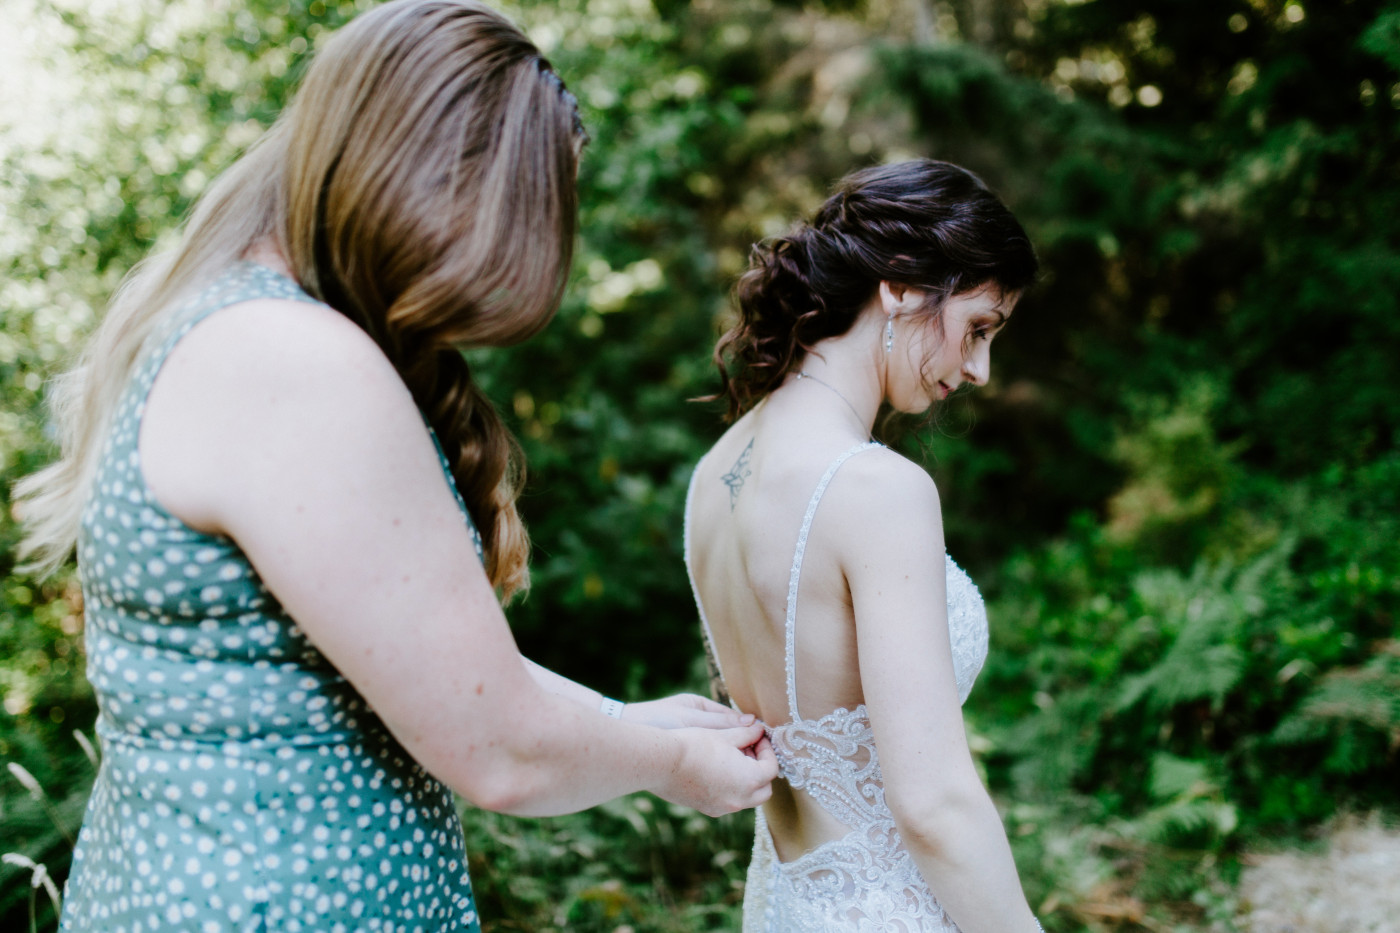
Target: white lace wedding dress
866, 881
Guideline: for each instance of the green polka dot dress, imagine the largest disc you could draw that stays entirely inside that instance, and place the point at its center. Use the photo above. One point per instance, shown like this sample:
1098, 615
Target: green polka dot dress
245, 785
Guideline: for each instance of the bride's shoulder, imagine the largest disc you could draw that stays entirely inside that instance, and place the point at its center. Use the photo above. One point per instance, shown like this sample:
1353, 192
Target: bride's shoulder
883, 490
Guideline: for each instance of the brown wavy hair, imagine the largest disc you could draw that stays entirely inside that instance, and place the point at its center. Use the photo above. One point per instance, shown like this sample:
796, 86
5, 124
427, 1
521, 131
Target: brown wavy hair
422, 183
926, 224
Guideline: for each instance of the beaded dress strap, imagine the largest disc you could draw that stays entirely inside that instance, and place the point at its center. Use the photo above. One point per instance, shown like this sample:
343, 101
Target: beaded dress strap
790, 621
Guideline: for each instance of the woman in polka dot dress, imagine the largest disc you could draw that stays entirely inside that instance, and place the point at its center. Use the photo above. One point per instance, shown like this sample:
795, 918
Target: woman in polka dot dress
294, 513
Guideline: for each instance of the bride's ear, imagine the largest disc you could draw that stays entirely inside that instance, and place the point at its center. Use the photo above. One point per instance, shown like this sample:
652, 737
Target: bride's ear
897, 298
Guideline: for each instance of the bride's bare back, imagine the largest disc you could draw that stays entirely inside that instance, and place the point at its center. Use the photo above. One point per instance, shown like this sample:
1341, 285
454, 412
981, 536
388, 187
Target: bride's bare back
746, 507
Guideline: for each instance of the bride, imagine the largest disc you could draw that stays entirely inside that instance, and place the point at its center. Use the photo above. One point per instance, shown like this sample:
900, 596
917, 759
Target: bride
829, 606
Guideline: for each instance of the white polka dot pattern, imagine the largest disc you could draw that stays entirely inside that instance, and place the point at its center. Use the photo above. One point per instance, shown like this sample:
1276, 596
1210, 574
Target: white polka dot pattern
245, 785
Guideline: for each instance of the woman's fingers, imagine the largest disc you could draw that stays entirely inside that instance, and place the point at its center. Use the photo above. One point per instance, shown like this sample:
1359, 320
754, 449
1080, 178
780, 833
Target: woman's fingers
720, 719
763, 752
745, 736
759, 754
706, 704
685, 710
718, 775
706, 712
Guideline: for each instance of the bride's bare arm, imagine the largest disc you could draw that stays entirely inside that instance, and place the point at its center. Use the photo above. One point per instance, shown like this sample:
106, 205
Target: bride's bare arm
893, 556
282, 426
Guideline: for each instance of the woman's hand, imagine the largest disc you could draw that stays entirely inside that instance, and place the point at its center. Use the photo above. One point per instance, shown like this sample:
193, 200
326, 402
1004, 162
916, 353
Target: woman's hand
722, 770
684, 711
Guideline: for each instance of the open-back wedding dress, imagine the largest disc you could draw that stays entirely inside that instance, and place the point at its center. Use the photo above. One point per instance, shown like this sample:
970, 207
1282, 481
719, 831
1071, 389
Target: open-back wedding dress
865, 881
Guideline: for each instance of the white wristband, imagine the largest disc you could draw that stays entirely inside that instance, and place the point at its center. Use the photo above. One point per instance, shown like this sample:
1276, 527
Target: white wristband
611, 707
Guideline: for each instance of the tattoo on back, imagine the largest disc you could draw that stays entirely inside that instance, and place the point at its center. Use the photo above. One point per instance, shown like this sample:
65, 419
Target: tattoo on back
739, 472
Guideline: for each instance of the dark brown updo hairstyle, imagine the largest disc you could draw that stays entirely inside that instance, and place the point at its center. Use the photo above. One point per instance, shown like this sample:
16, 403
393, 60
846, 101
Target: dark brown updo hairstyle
926, 224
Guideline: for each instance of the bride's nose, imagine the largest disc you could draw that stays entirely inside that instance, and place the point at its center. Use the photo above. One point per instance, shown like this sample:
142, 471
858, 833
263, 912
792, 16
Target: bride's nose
977, 368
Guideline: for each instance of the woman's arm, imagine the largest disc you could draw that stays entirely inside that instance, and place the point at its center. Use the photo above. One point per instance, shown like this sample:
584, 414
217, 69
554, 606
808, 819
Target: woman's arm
559, 685
892, 554
282, 425
681, 711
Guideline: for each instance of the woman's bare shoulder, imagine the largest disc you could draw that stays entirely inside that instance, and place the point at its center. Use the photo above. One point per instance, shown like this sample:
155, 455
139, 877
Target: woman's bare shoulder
882, 495
267, 334
882, 479
254, 394
258, 360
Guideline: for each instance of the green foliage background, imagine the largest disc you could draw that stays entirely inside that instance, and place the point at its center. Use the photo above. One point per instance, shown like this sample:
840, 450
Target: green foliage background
1179, 494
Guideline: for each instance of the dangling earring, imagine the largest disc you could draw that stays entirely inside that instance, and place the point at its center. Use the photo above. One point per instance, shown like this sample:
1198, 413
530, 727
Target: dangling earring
889, 334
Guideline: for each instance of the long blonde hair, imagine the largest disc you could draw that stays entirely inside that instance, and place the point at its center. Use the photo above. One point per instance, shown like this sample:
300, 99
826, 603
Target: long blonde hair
421, 183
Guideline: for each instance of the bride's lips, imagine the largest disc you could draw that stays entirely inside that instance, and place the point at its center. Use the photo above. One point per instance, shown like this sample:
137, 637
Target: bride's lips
943, 386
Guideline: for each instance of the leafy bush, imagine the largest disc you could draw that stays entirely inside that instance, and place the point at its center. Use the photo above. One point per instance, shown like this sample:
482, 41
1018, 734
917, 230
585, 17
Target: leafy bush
636, 862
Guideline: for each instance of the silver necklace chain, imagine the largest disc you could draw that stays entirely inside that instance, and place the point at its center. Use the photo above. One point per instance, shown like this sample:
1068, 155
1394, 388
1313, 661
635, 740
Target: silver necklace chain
803, 374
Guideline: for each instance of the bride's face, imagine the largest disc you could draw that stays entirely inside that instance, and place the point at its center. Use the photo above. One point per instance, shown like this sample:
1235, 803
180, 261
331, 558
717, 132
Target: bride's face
932, 358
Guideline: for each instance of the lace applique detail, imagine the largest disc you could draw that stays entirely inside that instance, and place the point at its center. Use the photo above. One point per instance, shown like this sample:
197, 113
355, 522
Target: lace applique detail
833, 759
864, 882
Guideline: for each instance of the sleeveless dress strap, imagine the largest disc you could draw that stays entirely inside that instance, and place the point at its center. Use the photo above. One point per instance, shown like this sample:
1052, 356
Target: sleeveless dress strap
790, 621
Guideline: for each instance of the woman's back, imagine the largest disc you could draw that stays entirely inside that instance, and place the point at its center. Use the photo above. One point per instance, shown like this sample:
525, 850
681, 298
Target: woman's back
748, 500
280, 793
745, 511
